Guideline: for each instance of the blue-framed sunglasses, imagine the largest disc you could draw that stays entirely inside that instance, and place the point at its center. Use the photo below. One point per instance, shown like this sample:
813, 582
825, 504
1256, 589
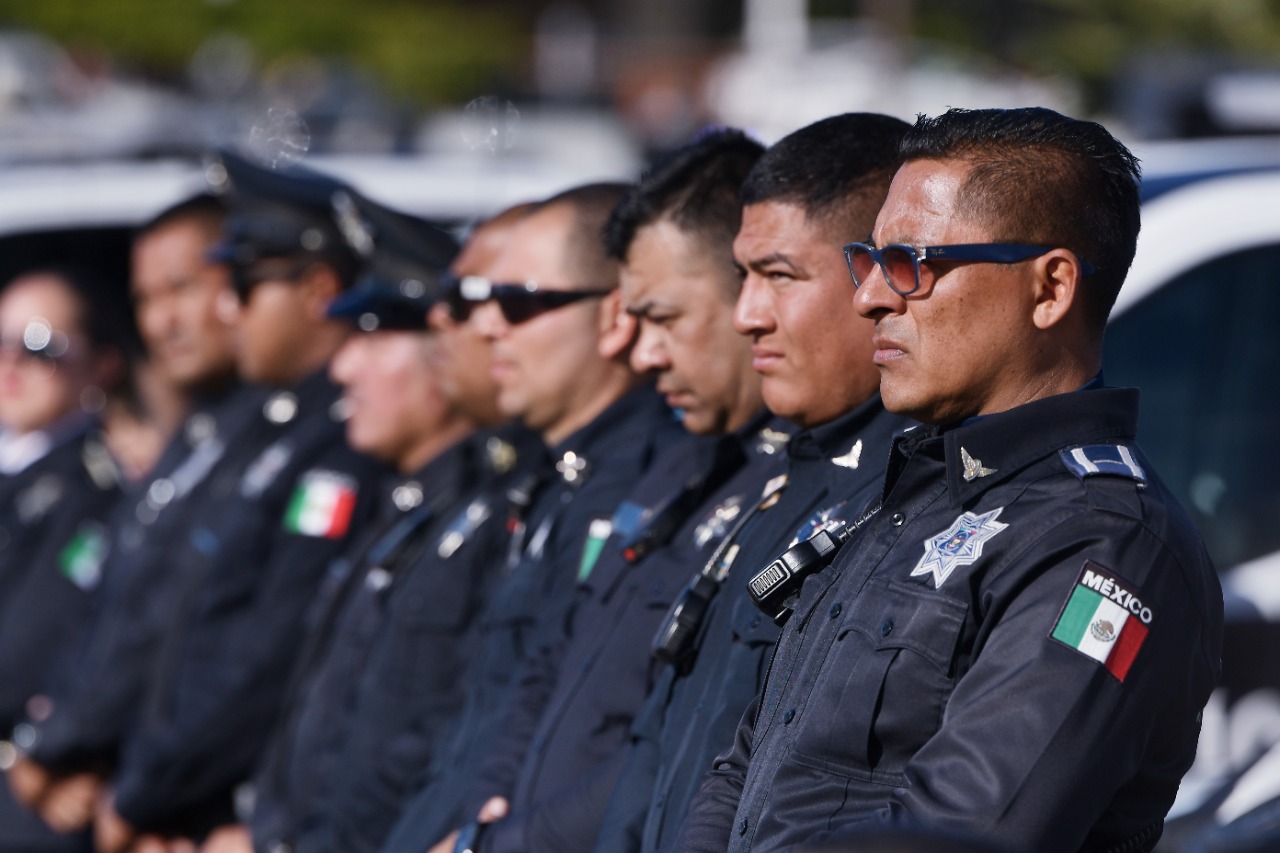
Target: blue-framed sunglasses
900, 263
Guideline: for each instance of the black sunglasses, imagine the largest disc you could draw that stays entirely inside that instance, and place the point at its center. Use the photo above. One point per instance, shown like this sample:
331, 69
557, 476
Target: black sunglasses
245, 277
517, 302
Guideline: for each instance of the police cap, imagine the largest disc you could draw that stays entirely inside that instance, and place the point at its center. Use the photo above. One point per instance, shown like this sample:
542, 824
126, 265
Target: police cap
405, 269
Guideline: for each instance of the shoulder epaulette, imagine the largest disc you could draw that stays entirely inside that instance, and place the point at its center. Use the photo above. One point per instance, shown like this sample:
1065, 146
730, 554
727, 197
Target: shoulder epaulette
1110, 460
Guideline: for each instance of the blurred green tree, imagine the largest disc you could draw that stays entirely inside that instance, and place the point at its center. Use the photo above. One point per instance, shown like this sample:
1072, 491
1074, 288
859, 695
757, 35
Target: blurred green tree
424, 52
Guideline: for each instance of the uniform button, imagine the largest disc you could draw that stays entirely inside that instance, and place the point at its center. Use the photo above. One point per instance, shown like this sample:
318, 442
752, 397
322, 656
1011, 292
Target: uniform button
755, 622
836, 610
742, 827
788, 716
886, 627
897, 519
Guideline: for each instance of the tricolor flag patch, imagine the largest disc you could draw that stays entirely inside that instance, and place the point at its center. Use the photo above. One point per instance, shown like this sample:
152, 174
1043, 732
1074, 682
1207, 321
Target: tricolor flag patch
1104, 620
80, 560
321, 505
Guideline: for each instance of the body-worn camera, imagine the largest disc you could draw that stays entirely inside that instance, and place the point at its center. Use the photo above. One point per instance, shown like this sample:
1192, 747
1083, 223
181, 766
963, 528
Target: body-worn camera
773, 587
675, 637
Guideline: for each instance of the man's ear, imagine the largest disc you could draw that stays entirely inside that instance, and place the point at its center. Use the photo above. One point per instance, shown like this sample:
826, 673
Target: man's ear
617, 328
320, 285
1058, 280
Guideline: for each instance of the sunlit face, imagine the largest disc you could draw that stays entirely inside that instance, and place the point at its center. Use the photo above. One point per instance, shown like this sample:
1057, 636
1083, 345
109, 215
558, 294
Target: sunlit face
40, 314
810, 347
962, 347
396, 405
463, 356
176, 295
272, 330
539, 364
683, 295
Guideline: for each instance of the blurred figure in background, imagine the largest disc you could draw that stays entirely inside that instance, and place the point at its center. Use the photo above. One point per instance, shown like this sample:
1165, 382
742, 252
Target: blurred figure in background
380, 672
91, 697
276, 509
61, 358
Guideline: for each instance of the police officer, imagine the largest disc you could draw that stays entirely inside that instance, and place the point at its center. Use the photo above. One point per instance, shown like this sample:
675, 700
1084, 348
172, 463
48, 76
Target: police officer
380, 671
813, 355
89, 698
560, 748
273, 513
59, 350
560, 349
1019, 643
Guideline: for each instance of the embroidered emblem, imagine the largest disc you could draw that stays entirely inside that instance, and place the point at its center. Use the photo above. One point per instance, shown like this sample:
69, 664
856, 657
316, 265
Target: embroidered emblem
597, 533
824, 519
1101, 459
958, 545
716, 524
321, 505
80, 560
852, 458
973, 468
1104, 620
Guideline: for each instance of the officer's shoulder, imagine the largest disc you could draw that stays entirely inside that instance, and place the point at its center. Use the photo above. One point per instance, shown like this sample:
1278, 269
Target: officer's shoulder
1113, 475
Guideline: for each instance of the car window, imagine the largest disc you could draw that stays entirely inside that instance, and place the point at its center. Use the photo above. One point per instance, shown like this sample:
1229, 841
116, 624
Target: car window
1205, 351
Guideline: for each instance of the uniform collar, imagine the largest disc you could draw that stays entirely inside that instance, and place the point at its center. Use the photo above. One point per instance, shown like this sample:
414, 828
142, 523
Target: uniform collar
573, 456
832, 439
991, 449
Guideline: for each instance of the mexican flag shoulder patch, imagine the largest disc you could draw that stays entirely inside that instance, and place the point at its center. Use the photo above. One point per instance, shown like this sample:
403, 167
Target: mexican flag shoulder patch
1104, 619
321, 505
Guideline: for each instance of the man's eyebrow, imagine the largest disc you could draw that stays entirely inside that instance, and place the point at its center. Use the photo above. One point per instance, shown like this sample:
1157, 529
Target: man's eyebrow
770, 259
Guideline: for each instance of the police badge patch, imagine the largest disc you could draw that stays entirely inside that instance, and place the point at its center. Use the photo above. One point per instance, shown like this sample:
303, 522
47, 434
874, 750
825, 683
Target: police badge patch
958, 545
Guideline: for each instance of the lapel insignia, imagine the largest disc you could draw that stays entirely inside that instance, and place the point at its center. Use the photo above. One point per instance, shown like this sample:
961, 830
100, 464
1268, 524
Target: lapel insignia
502, 454
772, 492
281, 407
852, 458
973, 468
573, 468
771, 441
958, 545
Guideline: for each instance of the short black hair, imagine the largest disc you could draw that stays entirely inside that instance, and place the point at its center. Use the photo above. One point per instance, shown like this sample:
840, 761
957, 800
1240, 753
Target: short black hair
694, 187
206, 210
1037, 176
592, 204
836, 170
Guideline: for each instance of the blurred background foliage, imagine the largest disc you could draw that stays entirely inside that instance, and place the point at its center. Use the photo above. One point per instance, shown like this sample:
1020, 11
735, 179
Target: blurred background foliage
427, 52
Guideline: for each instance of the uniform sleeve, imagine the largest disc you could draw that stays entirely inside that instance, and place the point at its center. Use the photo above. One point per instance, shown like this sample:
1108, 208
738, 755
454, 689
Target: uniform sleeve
709, 823
1038, 739
233, 675
568, 821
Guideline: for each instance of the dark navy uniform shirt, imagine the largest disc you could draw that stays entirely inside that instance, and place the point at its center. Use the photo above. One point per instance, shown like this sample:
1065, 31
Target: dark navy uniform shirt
1017, 646
93, 692
381, 672
255, 557
566, 732
52, 515
556, 540
833, 471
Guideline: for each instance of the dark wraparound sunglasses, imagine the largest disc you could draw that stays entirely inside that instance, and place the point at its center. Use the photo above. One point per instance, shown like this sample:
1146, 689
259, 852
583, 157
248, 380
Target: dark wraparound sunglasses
900, 263
517, 302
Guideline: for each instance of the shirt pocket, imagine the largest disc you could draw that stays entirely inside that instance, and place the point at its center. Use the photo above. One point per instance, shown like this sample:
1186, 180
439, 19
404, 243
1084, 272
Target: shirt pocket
882, 689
